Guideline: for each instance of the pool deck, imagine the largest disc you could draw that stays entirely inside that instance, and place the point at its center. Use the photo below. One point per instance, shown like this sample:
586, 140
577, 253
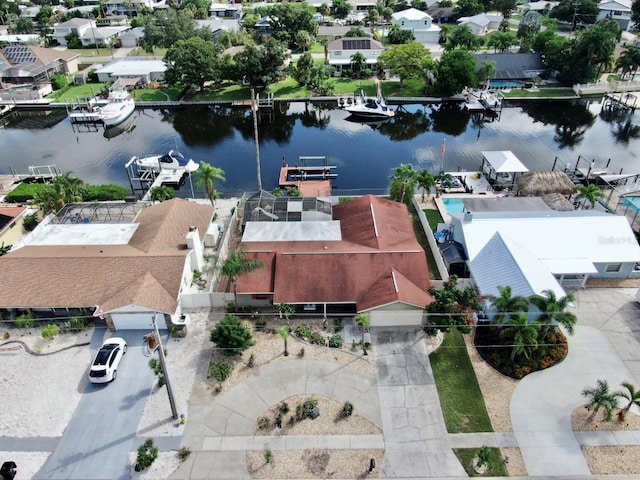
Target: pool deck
475, 181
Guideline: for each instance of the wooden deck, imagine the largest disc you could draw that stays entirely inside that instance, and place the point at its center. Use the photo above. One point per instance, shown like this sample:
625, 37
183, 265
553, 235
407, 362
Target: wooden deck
311, 181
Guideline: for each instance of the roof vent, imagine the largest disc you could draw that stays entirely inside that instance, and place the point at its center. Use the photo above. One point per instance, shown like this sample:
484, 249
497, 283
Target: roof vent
192, 228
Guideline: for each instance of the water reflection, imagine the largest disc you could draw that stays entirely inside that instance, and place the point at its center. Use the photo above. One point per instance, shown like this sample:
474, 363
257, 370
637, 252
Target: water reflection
622, 127
449, 118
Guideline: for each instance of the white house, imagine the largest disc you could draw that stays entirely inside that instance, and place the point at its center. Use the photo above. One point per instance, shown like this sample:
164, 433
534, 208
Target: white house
482, 23
218, 25
342, 49
544, 249
131, 8
618, 10
79, 26
145, 70
131, 38
419, 23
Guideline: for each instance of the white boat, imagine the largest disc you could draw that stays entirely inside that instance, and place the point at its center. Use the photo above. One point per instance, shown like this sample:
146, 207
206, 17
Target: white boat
171, 160
472, 104
117, 107
490, 99
371, 108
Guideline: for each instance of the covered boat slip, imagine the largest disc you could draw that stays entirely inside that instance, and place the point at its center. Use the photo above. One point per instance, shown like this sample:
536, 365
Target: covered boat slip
501, 167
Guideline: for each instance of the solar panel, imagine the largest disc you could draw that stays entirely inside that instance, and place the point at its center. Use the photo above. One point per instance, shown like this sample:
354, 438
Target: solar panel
19, 54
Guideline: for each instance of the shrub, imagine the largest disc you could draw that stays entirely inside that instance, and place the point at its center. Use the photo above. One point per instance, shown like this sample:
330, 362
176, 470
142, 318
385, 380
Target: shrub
154, 364
309, 405
231, 335
103, 193
338, 324
30, 222
220, 370
283, 408
58, 82
347, 410
162, 193
76, 323
268, 455
252, 361
147, 453
301, 353
303, 331
300, 412
49, 331
24, 321
317, 338
335, 341
263, 423
183, 453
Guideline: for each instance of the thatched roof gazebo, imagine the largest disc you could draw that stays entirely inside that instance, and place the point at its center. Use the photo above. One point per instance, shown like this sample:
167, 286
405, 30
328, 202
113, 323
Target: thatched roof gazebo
556, 201
536, 184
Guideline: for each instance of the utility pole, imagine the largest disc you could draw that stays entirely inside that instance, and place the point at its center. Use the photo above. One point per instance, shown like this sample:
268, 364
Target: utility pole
163, 364
254, 109
573, 19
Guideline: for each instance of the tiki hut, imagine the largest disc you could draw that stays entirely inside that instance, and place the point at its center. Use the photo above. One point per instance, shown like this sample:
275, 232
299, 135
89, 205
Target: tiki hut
536, 184
556, 201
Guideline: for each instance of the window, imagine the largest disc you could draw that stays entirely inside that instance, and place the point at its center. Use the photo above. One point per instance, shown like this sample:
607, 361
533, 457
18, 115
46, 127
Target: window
337, 53
613, 267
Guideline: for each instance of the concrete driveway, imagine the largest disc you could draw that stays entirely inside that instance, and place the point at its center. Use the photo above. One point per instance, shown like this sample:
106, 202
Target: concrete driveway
101, 433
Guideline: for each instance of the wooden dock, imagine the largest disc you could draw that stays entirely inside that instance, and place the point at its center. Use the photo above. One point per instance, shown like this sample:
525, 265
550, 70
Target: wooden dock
311, 180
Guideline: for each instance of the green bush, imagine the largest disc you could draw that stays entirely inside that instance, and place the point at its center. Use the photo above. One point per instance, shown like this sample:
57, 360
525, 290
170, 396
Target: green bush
23, 192
263, 423
220, 370
283, 408
77, 323
154, 364
335, 341
58, 82
303, 331
49, 331
147, 453
347, 409
162, 193
104, 193
231, 335
317, 338
24, 321
30, 222
338, 325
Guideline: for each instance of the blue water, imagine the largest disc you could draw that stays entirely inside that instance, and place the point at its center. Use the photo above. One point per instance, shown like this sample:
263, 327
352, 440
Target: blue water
505, 84
453, 205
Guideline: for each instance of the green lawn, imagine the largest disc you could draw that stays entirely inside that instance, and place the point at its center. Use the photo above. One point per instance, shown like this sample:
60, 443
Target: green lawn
92, 52
434, 273
157, 94
458, 389
542, 92
412, 87
140, 52
75, 92
497, 467
433, 217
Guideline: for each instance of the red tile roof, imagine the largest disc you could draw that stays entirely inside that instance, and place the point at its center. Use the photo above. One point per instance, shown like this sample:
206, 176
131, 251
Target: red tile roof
378, 243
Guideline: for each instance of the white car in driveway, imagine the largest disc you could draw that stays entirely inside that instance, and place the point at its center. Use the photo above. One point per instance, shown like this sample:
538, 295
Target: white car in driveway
105, 366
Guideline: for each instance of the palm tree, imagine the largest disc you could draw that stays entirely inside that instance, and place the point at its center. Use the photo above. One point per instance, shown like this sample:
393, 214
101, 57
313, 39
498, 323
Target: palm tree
206, 175
4, 249
631, 394
487, 70
552, 311
403, 183
523, 335
70, 187
588, 193
284, 333
358, 64
600, 397
325, 44
425, 181
363, 320
236, 264
507, 306
442, 178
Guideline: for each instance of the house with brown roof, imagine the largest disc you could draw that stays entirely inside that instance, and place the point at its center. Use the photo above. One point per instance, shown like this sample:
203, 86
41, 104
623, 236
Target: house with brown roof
20, 64
11, 223
360, 257
121, 262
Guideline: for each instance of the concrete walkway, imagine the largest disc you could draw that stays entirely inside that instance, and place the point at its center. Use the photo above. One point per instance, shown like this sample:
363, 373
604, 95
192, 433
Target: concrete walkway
416, 439
220, 431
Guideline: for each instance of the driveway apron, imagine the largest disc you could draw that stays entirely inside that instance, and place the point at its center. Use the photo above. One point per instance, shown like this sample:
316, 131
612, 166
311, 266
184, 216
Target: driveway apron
100, 435
417, 444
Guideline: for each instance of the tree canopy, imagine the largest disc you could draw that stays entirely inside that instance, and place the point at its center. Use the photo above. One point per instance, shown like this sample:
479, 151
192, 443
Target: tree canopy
287, 19
455, 71
260, 66
576, 11
409, 60
194, 62
165, 27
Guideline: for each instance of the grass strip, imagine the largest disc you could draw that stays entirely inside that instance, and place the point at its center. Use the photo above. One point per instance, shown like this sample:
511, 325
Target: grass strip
460, 396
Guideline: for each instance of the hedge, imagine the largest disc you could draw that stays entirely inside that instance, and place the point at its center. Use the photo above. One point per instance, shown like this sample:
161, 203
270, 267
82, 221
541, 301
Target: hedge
23, 192
103, 193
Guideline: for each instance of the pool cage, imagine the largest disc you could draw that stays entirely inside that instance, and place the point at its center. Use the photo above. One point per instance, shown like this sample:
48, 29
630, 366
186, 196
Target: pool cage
103, 212
266, 207
621, 195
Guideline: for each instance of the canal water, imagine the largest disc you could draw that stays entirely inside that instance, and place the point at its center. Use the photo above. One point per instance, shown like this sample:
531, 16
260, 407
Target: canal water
365, 154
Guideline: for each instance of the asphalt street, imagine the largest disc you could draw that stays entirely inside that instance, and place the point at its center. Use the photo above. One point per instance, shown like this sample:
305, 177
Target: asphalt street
101, 433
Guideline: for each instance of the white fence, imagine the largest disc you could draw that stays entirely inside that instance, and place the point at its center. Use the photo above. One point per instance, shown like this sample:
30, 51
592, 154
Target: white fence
433, 245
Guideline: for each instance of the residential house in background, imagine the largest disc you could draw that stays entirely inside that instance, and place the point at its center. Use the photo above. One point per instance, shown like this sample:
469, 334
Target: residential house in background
540, 6
263, 26
419, 23
130, 69
131, 8
11, 223
618, 10
131, 38
442, 14
218, 25
482, 23
513, 66
25, 64
88, 32
226, 10
342, 49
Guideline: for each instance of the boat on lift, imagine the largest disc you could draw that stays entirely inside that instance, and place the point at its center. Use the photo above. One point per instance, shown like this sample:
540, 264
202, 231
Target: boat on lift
371, 108
172, 160
112, 111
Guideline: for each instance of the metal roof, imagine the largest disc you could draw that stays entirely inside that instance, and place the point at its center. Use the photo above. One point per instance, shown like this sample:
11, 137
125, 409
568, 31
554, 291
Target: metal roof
504, 161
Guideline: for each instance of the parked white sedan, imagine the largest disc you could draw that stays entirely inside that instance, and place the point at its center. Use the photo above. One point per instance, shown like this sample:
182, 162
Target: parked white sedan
105, 366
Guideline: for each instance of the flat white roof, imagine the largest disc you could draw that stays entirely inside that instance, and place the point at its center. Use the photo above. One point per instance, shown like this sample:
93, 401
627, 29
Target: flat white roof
292, 231
83, 234
504, 161
133, 67
556, 238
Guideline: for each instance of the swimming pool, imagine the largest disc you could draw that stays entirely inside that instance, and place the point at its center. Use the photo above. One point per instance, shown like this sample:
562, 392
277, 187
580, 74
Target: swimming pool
454, 205
505, 84
633, 202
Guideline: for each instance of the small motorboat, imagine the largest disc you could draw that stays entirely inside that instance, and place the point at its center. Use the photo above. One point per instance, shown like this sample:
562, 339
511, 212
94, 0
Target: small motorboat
371, 108
172, 160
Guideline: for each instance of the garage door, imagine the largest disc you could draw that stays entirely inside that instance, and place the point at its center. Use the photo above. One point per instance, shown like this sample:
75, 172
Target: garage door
395, 318
136, 321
